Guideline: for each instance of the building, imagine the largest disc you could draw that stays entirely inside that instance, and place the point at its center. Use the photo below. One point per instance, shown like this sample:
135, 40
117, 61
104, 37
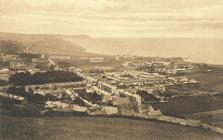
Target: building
109, 110
12, 97
56, 104
10, 58
4, 77
78, 108
17, 65
97, 59
4, 74
121, 101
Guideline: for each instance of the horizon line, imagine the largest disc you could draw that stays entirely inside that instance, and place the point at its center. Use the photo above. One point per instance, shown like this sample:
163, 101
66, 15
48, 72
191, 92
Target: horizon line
90, 36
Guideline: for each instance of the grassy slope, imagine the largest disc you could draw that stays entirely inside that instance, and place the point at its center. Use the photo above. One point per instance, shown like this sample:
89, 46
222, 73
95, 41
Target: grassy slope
47, 44
85, 128
7, 46
214, 117
212, 80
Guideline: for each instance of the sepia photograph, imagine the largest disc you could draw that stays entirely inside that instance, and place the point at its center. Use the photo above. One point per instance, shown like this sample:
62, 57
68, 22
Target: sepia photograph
111, 70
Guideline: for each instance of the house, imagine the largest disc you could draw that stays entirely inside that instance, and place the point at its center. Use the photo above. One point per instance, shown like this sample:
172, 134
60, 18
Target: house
109, 110
149, 110
121, 101
4, 74
34, 60
56, 104
96, 59
153, 112
10, 57
12, 97
193, 81
159, 88
79, 108
15, 64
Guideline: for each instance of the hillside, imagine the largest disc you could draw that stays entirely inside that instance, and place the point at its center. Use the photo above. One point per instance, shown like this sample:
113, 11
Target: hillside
47, 44
53, 45
11, 47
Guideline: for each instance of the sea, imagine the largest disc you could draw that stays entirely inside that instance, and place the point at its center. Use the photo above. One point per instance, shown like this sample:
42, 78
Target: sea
201, 50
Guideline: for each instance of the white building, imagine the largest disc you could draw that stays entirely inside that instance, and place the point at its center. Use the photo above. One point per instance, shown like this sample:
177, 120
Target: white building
109, 110
97, 59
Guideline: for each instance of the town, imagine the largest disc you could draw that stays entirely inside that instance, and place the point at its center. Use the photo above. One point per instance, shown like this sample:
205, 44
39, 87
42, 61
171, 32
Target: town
122, 86
111, 70
112, 85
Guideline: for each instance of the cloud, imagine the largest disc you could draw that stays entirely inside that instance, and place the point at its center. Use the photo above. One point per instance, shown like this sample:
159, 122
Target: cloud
110, 17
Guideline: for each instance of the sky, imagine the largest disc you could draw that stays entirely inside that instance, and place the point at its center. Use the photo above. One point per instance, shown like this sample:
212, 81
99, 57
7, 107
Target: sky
114, 18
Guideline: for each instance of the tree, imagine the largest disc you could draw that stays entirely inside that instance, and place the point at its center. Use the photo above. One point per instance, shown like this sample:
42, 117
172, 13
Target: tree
43, 78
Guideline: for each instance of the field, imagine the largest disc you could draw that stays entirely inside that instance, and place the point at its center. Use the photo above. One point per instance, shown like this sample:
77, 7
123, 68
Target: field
87, 128
212, 117
208, 109
189, 105
212, 80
